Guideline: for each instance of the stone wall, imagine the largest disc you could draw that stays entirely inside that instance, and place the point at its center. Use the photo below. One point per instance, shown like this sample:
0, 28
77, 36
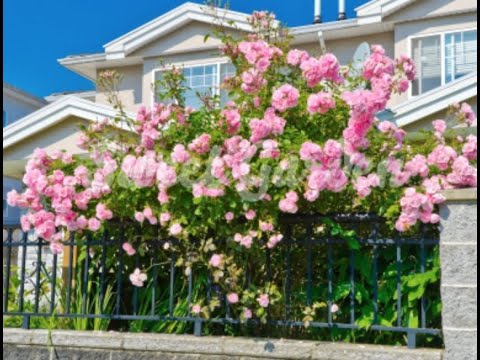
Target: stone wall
31, 344
458, 256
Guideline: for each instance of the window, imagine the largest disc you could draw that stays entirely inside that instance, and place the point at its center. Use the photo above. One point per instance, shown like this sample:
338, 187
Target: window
204, 80
5, 121
443, 58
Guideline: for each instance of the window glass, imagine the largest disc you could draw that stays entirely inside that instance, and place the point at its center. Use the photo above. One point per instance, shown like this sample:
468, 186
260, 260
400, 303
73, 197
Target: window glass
441, 59
427, 56
203, 81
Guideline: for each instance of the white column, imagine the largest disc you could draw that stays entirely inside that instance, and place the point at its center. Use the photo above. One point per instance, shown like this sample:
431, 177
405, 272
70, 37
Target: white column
342, 12
318, 12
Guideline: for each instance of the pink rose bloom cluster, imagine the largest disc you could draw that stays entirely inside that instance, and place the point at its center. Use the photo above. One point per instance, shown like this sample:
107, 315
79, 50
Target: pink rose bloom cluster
442, 157
146, 171
326, 68
146, 214
180, 155
246, 241
466, 113
261, 19
326, 173
259, 53
274, 240
285, 97
271, 124
378, 64
200, 145
417, 206
387, 127
320, 103
232, 118
149, 123
200, 190
407, 65
289, 203
270, 150
364, 184
252, 81
143, 170
236, 152
66, 194
470, 148
295, 57
463, 174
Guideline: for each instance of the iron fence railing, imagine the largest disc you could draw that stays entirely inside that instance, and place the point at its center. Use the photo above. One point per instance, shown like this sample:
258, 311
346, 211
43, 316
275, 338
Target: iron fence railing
308, 266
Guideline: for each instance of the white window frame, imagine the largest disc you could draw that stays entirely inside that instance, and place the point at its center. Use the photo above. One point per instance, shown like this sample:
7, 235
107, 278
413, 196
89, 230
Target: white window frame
218, 63
442, 52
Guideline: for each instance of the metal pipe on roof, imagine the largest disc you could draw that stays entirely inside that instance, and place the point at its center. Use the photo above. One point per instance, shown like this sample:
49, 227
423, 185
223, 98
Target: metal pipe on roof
318, 12
342, 12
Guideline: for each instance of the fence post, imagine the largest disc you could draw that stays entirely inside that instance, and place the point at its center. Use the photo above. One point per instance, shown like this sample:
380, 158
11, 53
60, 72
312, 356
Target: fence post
458, 256
197, 328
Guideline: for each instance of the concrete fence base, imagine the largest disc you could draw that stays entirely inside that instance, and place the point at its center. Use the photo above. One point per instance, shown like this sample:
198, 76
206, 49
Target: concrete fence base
72, 345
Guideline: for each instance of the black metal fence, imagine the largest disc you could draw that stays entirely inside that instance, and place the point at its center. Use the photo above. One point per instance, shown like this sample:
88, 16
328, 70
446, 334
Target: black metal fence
368, 284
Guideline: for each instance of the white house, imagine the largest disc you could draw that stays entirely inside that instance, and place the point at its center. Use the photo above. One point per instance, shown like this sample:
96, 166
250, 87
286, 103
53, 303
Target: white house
441, 36
16, 105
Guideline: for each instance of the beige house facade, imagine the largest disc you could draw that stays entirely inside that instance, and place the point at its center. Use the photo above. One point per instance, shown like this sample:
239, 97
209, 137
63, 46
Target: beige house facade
440, 35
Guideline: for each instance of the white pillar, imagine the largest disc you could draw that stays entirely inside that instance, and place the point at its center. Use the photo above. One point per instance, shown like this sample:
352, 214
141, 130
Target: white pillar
342, 12
318, 12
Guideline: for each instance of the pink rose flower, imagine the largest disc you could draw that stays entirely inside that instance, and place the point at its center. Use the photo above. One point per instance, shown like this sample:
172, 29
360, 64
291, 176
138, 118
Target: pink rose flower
137, 278
285, 97
250, 214
94, 224
103, 213
247, 313
175, 229
196, 309
263, 300
216, 261
233, 298
229, 216
128, 248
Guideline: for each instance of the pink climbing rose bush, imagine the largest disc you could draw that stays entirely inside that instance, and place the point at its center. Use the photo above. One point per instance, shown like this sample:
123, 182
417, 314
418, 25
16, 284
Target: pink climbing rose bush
300, 135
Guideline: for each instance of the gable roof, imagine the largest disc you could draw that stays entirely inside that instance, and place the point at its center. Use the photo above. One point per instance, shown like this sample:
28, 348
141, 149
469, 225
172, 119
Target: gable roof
23, 96
432, 102
55, 113
120, 52
382, 7
166, 23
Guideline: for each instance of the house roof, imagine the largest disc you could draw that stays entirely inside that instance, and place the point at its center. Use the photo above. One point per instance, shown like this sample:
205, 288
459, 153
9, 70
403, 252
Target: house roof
432, 102
119, 51
54, 113
23, 96
382, 8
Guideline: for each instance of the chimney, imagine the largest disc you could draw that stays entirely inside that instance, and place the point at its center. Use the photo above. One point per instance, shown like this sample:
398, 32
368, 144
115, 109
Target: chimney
318, 12
342, 13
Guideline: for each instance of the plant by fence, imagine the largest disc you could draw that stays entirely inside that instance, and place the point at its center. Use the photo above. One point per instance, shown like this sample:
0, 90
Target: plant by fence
341, 278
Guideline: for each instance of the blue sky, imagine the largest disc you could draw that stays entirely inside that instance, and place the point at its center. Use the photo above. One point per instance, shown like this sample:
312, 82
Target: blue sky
37, 33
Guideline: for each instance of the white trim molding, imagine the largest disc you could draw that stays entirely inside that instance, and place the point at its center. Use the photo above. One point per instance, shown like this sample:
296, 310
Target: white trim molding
434, 101
55, 113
